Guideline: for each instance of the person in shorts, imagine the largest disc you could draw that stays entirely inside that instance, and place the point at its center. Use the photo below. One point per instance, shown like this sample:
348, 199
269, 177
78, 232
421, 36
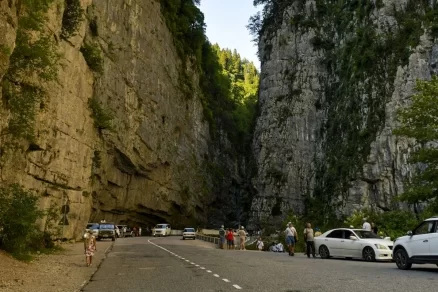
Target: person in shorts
291, 234
230, 238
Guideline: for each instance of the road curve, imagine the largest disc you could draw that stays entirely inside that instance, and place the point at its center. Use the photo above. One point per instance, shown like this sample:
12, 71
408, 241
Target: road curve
171, 264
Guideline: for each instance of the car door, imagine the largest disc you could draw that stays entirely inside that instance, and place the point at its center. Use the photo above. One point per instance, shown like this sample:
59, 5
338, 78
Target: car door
433, 242
418, 244
351, 248
333, 241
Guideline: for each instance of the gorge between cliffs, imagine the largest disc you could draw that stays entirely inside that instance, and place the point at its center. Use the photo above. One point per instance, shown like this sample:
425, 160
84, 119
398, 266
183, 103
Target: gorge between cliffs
122, 110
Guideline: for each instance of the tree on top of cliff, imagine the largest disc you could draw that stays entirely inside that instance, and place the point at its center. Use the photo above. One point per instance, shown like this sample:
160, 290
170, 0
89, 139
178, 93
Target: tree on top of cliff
420, 121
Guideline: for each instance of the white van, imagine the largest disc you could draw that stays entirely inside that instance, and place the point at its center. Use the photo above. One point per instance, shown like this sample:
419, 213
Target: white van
161, 230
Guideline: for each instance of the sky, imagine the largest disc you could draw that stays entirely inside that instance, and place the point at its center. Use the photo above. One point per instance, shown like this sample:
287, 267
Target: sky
226, 22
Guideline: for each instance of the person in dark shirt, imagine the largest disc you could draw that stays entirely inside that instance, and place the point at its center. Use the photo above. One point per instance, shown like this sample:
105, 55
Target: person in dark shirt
374, 228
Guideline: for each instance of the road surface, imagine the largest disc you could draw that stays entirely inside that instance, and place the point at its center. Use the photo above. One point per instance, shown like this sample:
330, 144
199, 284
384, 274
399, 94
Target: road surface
143, 264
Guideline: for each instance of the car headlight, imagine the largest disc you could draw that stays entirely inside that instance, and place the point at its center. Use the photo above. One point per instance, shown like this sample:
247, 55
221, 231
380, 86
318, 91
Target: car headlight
381, 246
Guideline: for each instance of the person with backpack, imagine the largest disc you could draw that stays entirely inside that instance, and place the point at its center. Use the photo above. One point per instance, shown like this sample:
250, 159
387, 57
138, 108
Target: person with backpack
291, 235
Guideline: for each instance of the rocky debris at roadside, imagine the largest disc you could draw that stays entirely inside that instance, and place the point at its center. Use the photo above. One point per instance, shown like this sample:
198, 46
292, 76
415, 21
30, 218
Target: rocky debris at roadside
59, 272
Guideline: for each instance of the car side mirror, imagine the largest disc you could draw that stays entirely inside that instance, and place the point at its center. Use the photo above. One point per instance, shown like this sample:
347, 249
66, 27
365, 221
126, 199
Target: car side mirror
353, 237
409, 233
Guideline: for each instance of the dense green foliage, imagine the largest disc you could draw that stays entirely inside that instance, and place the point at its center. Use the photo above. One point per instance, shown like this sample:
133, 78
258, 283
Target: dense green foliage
229, 84
18, 214
93, 56
33, 60
102, 117
361, 62
72, 18
420, 121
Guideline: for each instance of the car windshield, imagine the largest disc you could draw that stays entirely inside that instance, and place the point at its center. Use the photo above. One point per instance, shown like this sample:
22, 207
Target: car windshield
160, 226
366, 234
106, 226
189, 230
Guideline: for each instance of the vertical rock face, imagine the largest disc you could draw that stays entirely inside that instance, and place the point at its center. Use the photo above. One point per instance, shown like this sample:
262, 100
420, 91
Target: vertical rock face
153, 163
332, 79
151, 166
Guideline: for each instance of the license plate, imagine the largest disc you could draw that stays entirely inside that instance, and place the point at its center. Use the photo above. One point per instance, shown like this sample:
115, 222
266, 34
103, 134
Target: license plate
105, 235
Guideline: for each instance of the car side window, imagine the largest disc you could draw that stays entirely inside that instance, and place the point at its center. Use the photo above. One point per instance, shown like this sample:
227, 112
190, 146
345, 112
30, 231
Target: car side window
335, 234
424, 228
347, 234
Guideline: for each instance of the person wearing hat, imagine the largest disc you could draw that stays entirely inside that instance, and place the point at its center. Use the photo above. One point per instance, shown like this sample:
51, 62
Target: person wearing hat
242, 236
222, 237
89, 247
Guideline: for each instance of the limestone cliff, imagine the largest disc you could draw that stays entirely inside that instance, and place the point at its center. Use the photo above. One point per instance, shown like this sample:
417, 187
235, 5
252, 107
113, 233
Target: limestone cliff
333, 75
151, 164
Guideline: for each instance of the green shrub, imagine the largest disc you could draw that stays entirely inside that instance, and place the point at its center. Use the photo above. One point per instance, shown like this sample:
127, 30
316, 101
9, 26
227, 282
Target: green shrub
18, 214
102, 119
72, 18
93, 57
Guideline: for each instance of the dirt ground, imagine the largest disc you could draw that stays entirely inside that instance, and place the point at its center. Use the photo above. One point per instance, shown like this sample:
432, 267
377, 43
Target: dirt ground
59, 272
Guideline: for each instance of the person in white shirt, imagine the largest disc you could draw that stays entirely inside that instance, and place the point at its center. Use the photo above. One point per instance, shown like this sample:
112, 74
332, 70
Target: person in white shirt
366, 225
259, 244
291, 235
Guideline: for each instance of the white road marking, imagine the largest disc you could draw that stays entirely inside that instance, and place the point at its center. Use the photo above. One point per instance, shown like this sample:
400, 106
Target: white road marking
202, 268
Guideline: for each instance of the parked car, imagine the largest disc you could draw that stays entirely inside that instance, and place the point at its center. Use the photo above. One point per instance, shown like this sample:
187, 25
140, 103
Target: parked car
419, 246
189, 233
353, 243
92, 226
161, 230
107, 230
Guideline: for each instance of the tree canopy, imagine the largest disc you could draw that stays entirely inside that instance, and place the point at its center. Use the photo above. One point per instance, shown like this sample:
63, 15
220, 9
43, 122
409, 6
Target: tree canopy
420, 121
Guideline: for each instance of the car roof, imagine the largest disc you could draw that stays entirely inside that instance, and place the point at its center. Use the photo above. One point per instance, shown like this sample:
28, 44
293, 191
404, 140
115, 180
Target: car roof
432, 218
189, 228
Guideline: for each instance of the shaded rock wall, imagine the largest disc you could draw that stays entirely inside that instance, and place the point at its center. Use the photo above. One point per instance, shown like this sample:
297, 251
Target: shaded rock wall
291, 136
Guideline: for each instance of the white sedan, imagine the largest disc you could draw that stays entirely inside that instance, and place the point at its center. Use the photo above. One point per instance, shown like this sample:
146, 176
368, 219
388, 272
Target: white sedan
353, 243
189, 233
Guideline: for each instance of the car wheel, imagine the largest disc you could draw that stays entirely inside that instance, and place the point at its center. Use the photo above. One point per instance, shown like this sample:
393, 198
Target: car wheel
184, 238
324, 252
368, 254
402, 259
113, 239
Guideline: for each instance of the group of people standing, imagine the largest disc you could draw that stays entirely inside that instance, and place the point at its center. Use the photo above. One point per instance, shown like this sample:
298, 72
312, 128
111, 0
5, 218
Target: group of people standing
309, 235
228, 235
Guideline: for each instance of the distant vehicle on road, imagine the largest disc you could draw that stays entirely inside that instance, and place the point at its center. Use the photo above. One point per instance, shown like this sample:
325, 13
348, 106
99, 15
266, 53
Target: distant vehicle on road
419, 246
107, 230
163, 229
189, 233
92, 226
353, 243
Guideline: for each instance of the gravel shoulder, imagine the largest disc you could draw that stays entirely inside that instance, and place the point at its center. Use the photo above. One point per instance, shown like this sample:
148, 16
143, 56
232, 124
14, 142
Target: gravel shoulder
62, 271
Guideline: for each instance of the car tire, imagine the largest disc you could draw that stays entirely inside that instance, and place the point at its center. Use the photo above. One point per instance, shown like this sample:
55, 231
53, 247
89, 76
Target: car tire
324, 252
368, 254
113, 239
184, 238
402, 259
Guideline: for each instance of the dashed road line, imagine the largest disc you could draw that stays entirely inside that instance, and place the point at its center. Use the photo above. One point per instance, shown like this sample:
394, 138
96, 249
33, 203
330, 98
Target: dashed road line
202, 268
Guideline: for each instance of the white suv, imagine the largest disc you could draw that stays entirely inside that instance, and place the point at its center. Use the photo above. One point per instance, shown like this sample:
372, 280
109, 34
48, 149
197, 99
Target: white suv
419, 246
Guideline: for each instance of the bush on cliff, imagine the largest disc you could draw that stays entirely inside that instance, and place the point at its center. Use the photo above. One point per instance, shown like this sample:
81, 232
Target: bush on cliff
19, 233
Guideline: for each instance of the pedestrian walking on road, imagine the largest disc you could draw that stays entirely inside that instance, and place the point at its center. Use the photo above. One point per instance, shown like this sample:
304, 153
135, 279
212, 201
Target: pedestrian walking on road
242, 236
291, 235
221, 237
309, 239
230, 238
90, 248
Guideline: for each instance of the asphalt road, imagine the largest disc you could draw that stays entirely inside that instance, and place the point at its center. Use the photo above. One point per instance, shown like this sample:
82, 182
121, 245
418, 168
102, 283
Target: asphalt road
173, 265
